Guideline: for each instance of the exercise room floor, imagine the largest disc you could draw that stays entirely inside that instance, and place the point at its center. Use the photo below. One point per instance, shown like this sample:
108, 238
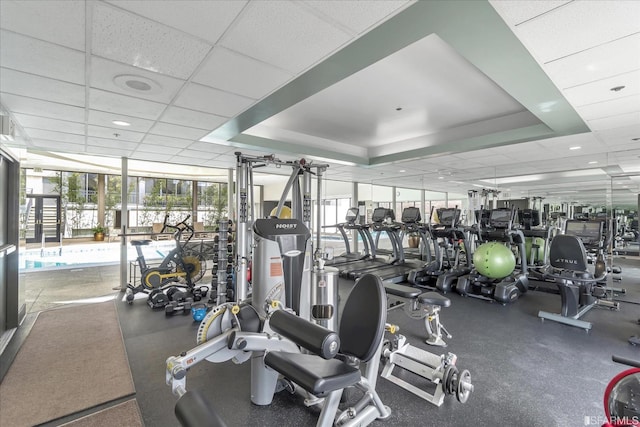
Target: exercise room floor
525, 372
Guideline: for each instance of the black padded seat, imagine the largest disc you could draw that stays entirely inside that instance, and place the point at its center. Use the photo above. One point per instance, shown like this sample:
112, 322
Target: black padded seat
318, 376
434, 298
402, 291
140, 242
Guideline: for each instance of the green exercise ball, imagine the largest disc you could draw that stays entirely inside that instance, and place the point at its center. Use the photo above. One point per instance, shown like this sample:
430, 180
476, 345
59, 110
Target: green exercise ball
528, 242
494, 260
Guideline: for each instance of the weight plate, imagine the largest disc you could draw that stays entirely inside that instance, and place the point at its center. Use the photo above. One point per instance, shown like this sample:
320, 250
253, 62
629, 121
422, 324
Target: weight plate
217, 321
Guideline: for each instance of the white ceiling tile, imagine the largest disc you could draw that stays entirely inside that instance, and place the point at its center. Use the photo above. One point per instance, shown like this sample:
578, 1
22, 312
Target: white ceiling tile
36, 107
109, 151
109, 132
283, 34
515, 12
23, 84
621, 133
49, 145
208, 147
167, 129
158, 149
607, 60
209, 100
359, 15
578, 26
127, 105
153, 157
197, 154
44, 59
167, 141
105, 119
240, 74
622, 120
60, 22
614, 107
205, 19
107, 144
104, 71
55, 136
36, 122
127, 38
196, 119
600, 90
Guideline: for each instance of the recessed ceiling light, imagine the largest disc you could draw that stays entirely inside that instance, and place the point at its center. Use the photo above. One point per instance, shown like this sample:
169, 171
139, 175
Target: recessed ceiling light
137, 84
402, 171
441, 177
121, 123
617, 88
593, 162
575, 147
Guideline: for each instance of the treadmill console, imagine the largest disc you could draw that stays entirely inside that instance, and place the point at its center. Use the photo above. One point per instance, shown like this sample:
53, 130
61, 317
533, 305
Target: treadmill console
529, 218
448, 216
411, 215
590, 232
381, 214
352, 215
500, 218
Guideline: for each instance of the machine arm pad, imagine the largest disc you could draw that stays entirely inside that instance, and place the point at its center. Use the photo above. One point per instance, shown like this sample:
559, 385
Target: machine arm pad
313, 337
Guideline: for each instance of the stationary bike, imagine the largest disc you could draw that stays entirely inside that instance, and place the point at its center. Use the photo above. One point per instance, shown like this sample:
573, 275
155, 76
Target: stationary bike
177, 273
621, 405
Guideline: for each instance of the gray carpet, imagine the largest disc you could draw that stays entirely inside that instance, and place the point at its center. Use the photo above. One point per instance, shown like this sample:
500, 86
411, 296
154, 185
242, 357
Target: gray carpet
73, 359
125, 414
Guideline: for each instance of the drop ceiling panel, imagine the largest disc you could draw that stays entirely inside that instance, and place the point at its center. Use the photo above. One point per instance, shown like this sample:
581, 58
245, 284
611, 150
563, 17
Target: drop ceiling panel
358, 15
579, 25
153, 157
59, 22
167, 129
127, 38
32, 86
607, 60
109, 132
622, 120
37, 107
44, 59
104, 71
55, 136
109, 151
126, 105
105, 119
283, 34
44, 123
166, 141
614, 107
191, 156
211, 148
158, 149
214, 101
601, 90
191, 118
515, 12
60, 146
240, 74
205, 19
107, 144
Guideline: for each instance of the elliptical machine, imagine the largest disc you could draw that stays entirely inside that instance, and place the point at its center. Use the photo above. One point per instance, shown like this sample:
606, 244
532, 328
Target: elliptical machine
494, 277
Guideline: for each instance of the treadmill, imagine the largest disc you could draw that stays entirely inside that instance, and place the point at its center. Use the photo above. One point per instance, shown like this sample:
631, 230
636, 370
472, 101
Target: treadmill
379, 216
364, 233
398, 270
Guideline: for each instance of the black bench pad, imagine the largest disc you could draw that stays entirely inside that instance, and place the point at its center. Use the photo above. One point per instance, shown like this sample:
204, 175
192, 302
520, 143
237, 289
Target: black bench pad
402, 291
434, 298
316, 375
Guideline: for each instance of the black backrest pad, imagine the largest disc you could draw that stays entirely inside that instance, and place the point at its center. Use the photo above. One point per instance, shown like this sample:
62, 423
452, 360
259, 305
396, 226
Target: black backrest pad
568, 252
363, 318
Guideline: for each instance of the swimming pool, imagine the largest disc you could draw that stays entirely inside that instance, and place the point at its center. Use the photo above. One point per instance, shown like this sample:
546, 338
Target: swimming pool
91, 254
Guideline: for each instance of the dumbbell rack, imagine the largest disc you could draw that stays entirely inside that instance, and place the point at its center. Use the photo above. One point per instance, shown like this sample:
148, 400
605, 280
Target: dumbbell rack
222, 277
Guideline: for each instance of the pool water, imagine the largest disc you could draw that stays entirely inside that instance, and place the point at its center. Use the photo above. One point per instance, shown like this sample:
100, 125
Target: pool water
77, 255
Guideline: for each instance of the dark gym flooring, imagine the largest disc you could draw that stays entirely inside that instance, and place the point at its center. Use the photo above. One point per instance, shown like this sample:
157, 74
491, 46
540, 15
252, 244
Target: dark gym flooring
525, 371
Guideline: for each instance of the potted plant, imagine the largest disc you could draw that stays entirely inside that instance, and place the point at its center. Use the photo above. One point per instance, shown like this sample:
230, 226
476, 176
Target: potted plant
98, 232
413, 240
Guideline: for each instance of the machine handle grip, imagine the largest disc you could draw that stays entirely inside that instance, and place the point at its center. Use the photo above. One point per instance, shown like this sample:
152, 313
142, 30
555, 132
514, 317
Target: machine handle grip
194, 410
313, 337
